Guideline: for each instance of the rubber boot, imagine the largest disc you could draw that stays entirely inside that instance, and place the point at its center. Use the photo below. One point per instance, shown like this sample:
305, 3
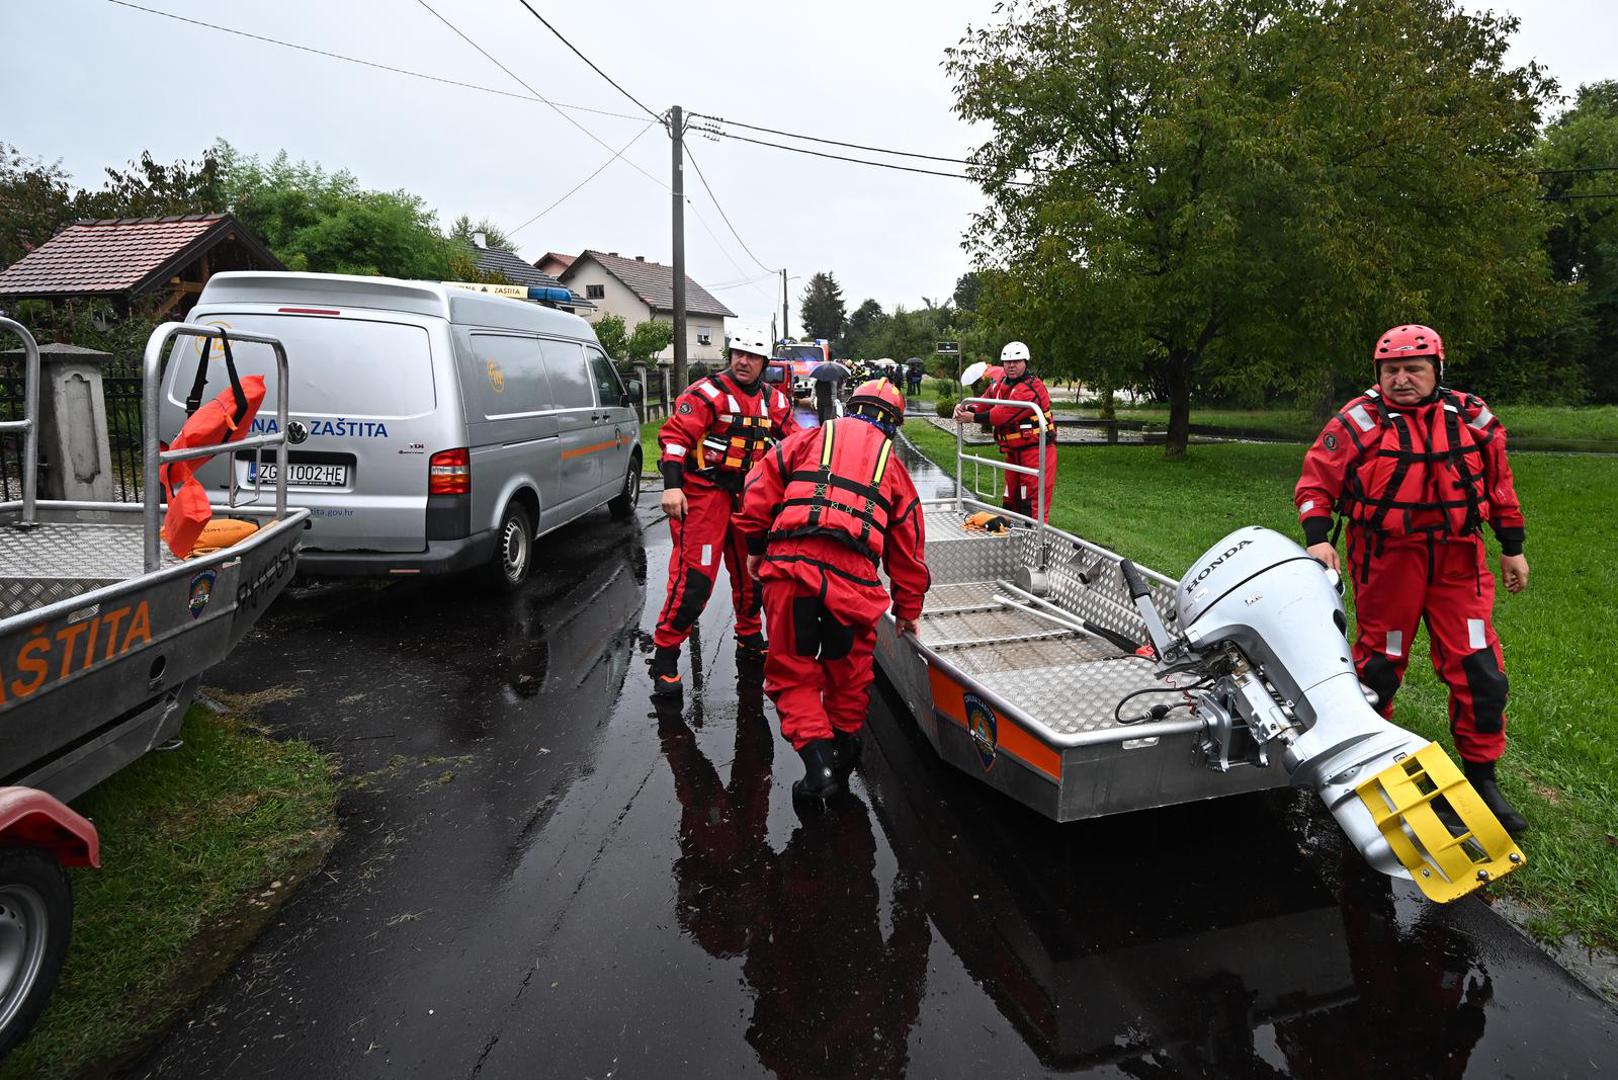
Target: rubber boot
666, 672
751, 646
1482, 777
845, 752
819, 781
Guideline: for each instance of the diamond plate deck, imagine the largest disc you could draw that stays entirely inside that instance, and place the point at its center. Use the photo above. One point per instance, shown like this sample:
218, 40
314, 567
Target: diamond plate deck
53, 561
1069, 681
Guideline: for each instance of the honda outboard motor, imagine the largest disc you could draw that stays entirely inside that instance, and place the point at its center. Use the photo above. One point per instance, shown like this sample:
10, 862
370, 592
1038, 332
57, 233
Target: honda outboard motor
1263, 624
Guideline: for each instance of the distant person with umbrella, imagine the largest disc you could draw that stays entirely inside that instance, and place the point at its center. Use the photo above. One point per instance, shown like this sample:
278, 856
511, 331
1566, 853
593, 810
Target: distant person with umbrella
829, 378
914, 370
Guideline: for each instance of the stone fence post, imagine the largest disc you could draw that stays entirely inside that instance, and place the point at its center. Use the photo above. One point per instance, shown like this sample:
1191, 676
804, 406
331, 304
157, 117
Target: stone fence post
73, 423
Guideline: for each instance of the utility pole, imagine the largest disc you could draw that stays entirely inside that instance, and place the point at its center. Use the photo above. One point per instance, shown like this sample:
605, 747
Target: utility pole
677, 137
786, 333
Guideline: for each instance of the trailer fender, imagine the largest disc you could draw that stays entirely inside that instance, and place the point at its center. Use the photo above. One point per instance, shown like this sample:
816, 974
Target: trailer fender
32, 818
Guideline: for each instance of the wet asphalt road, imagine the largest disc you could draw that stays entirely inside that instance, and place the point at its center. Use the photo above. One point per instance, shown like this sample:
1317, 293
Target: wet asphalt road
542, 876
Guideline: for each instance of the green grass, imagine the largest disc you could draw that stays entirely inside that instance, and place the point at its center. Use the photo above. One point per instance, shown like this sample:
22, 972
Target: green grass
1559, 634
650, 452
190, 838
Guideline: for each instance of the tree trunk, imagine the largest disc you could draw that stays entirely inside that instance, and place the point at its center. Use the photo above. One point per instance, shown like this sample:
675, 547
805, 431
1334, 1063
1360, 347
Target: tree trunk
1178, 374
1109, 412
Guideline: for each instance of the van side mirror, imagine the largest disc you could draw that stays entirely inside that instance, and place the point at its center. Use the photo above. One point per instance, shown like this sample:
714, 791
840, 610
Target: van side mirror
633, 392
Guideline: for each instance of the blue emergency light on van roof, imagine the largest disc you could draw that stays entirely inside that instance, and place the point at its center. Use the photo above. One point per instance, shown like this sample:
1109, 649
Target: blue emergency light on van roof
549, 293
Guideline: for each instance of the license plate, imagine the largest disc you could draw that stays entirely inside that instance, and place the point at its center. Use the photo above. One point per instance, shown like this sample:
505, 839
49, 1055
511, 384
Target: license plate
299, 474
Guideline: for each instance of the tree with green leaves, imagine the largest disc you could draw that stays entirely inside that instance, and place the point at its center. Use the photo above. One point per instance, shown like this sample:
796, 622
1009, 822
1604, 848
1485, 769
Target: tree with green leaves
36, 199
494, 238
1578, 152
325, 222
821, 308
637, 346
1225, 194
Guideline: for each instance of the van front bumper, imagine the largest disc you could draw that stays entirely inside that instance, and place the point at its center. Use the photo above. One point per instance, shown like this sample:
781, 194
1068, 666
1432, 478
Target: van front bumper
441, 557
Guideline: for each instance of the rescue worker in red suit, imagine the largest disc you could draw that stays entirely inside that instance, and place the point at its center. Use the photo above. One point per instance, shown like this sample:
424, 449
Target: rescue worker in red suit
1415, 470
822, 511
719, 427
1016, 430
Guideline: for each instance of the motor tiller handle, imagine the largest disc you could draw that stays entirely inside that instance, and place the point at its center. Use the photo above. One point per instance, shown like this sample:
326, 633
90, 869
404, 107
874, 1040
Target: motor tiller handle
1134, 580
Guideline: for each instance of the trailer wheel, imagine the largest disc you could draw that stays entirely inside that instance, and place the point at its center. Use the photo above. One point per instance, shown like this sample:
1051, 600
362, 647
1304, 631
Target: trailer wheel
36, 918
507, 568
623, 504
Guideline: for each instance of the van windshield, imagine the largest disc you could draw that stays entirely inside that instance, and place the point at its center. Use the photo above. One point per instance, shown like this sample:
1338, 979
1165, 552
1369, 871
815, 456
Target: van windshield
339, 367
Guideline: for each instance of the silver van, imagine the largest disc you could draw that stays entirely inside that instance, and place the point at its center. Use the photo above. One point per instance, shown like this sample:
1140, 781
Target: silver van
437, 429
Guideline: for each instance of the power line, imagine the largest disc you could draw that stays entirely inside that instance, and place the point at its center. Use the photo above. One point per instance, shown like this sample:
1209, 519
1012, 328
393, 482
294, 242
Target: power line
724, 215
587, 60
1583, 169
537, 94
837, 142
586, 180
858, 161
367, 63
1593, 195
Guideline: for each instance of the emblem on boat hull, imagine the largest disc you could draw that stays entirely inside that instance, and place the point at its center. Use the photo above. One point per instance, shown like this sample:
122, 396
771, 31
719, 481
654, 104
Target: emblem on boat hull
983, 726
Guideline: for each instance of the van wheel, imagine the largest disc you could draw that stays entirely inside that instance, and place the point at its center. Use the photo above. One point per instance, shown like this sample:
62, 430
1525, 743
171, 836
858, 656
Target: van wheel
36, 917
623, 504
508, 567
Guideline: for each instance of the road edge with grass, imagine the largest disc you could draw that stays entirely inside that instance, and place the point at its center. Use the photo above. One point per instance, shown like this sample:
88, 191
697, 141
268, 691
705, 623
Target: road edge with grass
200, 847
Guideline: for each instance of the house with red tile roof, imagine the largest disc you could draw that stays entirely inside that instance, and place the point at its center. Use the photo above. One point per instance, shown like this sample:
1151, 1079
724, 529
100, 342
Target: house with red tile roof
165, 260
639, 290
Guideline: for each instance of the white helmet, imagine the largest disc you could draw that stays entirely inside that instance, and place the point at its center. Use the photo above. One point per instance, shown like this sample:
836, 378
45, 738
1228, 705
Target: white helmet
1014, 350
749, 339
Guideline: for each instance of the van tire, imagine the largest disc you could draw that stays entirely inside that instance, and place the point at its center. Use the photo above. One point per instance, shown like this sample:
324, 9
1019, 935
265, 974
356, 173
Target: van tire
623, 504
513, 555
36, 905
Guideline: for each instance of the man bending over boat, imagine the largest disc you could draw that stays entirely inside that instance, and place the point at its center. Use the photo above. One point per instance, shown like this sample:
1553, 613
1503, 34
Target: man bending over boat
820, 513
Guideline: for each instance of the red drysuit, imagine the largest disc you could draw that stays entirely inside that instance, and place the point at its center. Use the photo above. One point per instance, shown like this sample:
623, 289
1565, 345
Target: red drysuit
1016, 432
717, 430
1414, 485
825, 509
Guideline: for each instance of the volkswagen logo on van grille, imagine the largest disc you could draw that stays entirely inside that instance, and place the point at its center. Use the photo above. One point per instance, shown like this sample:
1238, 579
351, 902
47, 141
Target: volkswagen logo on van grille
297, 431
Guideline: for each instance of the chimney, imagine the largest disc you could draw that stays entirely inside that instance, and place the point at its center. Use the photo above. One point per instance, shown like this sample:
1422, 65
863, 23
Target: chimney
480, 239
612, 254
640, 258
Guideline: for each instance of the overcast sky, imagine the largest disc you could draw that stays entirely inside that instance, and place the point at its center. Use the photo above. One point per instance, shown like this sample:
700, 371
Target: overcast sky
93, 84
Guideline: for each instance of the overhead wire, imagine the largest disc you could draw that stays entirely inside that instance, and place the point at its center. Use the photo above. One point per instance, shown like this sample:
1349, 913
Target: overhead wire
368, 63
586, 180
587, 60
857, 161
523, 83
838, 142
728, 224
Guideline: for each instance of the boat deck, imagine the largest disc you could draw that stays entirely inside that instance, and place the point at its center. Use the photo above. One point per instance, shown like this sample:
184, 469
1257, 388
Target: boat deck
1067, 679
54, 560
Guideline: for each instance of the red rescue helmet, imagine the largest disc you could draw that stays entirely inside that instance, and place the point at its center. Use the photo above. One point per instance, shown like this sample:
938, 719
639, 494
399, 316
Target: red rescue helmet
880, 398
1409, 342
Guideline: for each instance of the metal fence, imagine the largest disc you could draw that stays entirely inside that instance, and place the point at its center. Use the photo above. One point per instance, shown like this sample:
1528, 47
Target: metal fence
11, 408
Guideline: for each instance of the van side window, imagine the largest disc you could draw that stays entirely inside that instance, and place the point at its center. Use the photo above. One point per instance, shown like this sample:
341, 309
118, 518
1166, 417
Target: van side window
508, 377
570, 375
609, 391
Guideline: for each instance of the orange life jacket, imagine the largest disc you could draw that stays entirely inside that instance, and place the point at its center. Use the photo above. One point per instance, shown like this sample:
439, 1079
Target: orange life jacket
1420, 470
843, 498
740, 432
224, 419
1024, 429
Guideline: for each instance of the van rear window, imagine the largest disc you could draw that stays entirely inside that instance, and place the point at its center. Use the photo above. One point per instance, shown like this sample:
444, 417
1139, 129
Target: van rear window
353, 368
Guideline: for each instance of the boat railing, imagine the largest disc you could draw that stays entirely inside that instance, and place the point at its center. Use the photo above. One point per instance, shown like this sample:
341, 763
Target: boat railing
155, 456
29, 424
979, 462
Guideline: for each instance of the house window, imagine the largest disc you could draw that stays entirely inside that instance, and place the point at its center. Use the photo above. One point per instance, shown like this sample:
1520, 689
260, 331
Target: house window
595, 292
704, 335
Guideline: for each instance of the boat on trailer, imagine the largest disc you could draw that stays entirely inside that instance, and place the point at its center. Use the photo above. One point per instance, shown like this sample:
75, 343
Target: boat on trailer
104, 634
1080, 684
